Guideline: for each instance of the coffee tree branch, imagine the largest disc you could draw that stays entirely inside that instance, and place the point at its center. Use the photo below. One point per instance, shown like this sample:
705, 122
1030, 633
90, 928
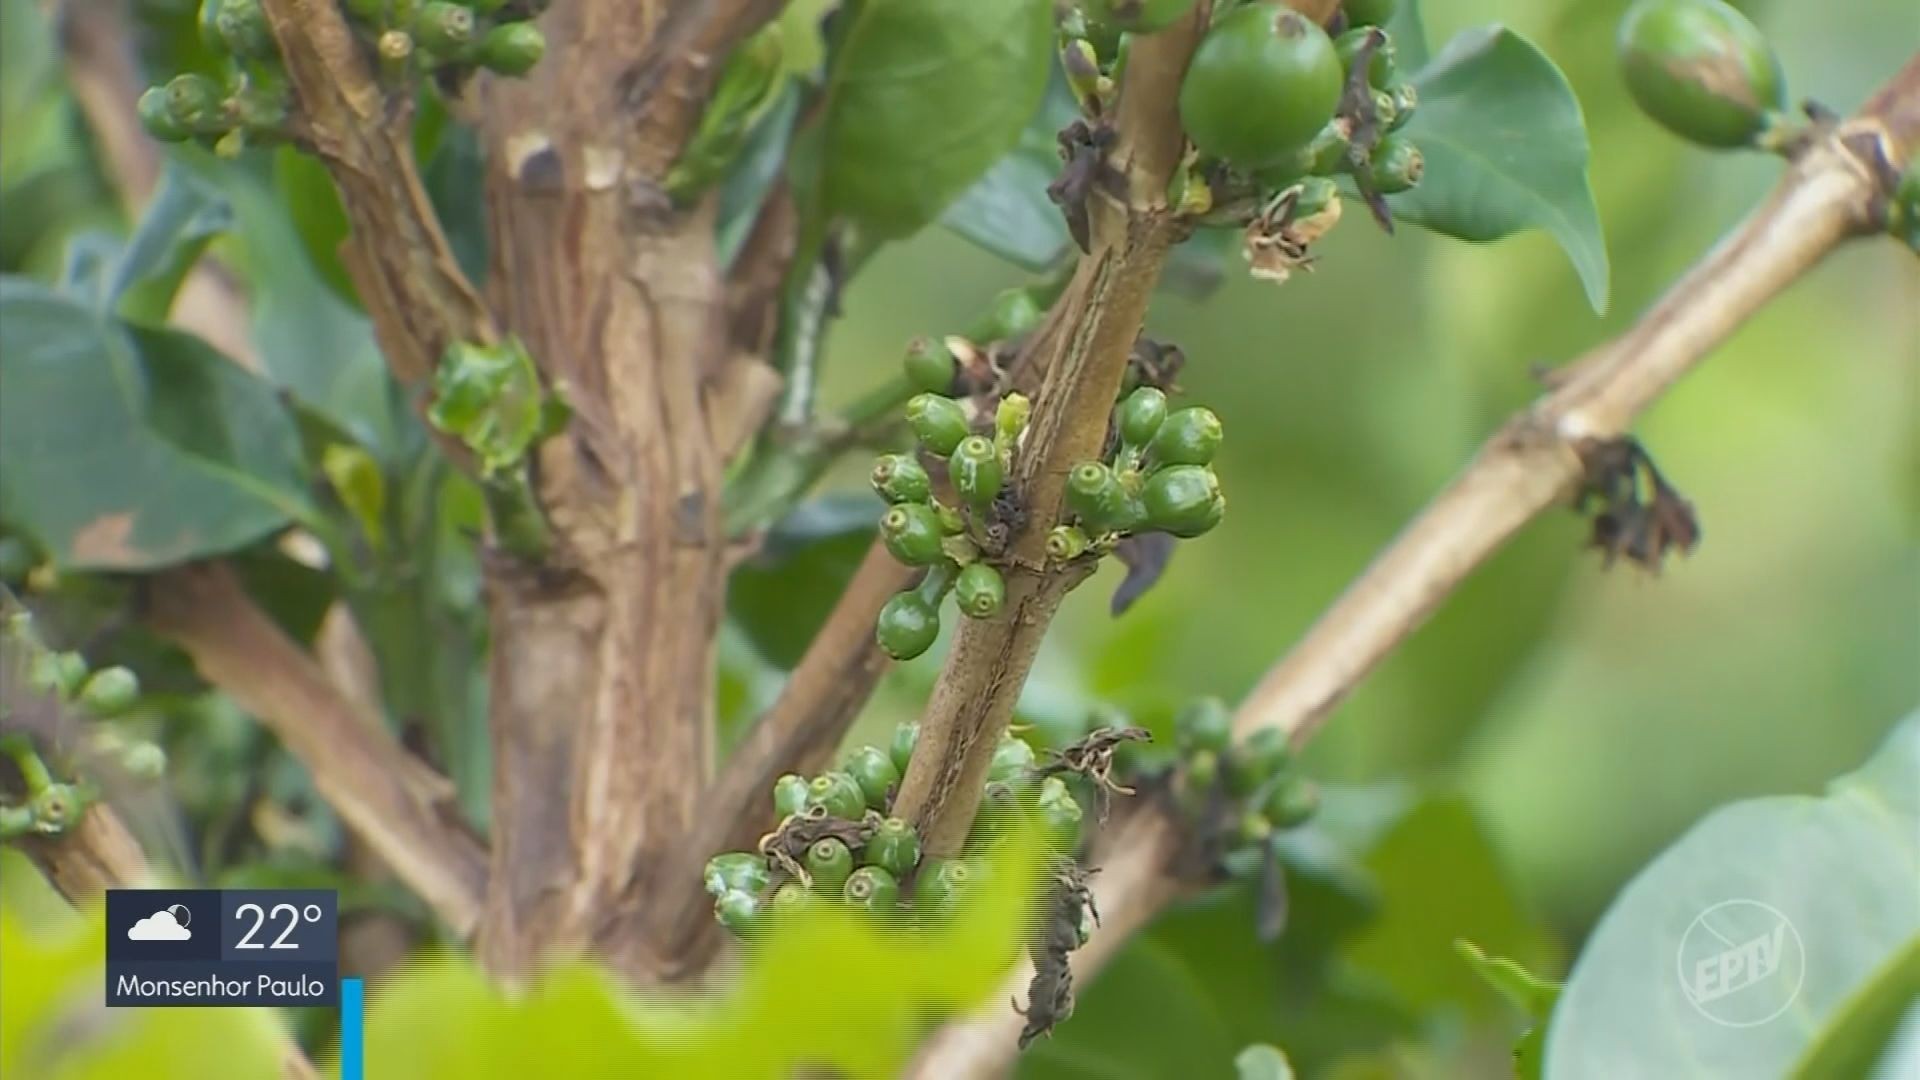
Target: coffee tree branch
1836, 190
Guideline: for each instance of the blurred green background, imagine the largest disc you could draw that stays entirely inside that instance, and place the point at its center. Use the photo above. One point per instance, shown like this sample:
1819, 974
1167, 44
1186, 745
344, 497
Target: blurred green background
1573, 721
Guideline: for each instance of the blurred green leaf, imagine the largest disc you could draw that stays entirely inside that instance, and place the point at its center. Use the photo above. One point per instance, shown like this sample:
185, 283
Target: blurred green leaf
1263, 1062
1769, 923
1528, 992
924, 96
782, 595
1149, 989
1866, 1023
181, 219
1409, 31
301, 184
126, 448
1506, 151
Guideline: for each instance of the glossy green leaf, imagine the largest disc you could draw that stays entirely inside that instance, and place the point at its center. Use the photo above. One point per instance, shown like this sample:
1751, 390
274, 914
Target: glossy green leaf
125, 448
924, 96
183, 217
1506, 151
1769, 924
1007, 211
1262, 1062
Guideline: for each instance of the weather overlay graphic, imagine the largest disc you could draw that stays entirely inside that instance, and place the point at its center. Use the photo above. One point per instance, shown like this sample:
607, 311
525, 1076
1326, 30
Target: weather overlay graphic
222, 947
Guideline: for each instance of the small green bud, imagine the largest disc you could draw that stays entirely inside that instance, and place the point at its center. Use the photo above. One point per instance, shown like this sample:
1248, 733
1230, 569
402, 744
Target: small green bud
1203, 724
1140, 416
975, 471
1292, 803
952, 521
980, 591
1013, 759
789, 795
1397, 165
894, 847
907, 626
874, 771
735, 871
1257, 760
829, 861
1701, 70
1010, 418
110, 692
1184, 500
1190, 436
143, 760
937, 421
739, 912
157, 118
194, 102
873, 890
905, 736
839, 793
1065, 542
900, 478
512, 48
930, 367
1406, 98
395, 46
443, 29
912, 534
1380, 69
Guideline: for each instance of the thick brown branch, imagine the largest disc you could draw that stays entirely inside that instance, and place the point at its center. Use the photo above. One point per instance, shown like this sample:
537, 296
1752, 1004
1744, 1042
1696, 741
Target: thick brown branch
399, 805
1105, 307
1835, 191
397, 255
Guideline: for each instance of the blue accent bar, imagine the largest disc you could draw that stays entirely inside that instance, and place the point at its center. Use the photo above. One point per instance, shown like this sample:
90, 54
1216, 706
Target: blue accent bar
352, 1039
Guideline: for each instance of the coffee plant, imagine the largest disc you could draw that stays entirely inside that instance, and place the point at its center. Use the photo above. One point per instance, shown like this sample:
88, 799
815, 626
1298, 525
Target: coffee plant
431, 438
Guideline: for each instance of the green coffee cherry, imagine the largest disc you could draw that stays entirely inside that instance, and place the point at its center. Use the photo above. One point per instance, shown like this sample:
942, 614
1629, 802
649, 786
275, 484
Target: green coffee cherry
830, 862
1140, 416
512, 48
1190, 436
1262, 83
242, 26
144, 761
1184, 500
735, 871
1253, 828
1701, 70
1066, 542
1369, 12
839, 794
1380, 68
912, 534
999, 809
874, 771
739, 912
443, 29
157, 118
1012, 759
900, 478
1202, 771
194, 102
1385, 109
907, 626
930, 367
975, 470
57, 808
1397, 165
980, 591
790, 898
901, 748
60, 674
894, 847
789, 795
1136, 16
1258, 759
110, 692
872, 889
1095, 495
1292, 802
1059, 813
1013, 313
937, 421
942, 885
1203, 724
1406, 98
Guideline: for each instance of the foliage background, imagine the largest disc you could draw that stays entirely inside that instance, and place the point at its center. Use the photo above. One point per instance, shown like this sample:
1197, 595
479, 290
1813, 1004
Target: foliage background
1559, 724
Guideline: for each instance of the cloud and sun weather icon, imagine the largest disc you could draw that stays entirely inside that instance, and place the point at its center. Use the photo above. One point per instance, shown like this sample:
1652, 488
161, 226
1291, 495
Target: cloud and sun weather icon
172, 923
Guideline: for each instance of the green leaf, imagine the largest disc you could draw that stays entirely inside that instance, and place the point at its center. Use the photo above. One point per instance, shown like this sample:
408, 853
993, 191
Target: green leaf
1263, 1062
1770, 929
924, 96
1409, 31
1506, 151
1528, 992
1867, 1022
1007, 211
124, 448
319, 220
781, 597
184, 216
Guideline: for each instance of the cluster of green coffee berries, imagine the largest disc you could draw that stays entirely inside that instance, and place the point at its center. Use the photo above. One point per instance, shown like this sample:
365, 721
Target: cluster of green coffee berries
1248, 792
836, 842
248, 102
50, 805
1160, 478
948, 537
